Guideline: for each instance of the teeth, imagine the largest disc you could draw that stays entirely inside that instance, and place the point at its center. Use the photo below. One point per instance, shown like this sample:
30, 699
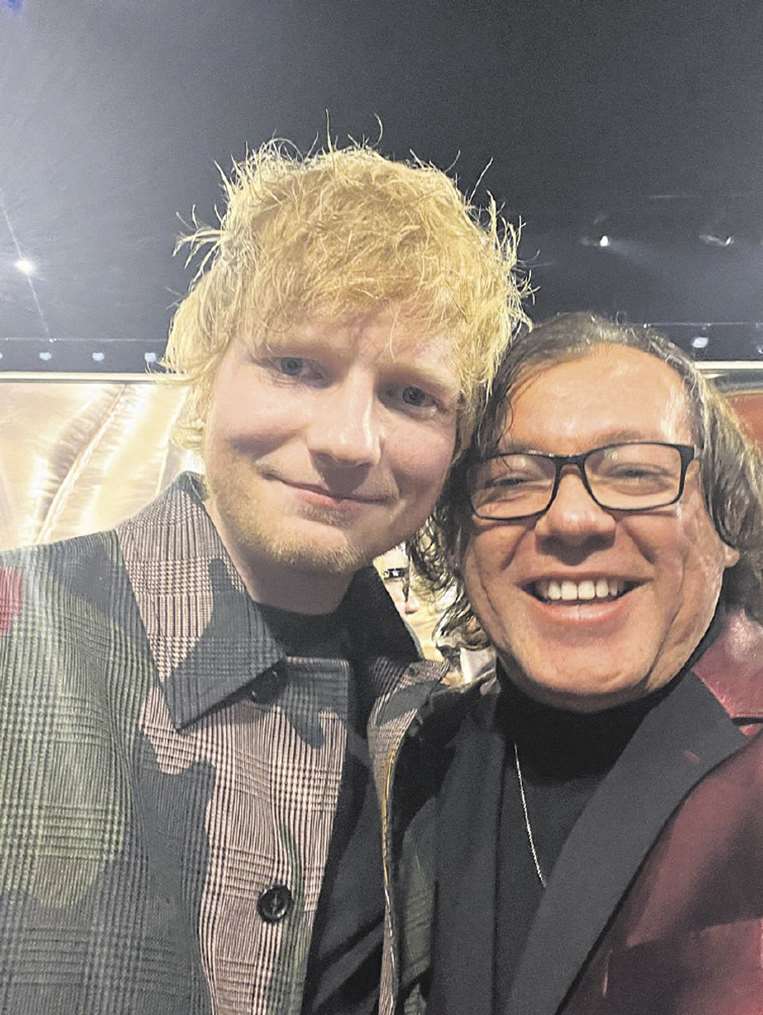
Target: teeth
572, 592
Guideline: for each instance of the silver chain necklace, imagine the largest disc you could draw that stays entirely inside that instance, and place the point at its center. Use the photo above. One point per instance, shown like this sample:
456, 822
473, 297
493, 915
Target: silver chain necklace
528, 826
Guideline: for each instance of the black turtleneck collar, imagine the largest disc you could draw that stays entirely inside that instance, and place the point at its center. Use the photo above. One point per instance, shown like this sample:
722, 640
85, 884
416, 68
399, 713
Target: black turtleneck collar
560, 745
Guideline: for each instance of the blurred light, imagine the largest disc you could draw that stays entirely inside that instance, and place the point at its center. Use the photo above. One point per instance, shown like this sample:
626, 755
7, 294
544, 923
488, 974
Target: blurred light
150, 357
25, 266
700, 342
713, 239
45, 355
595, 239
98, 357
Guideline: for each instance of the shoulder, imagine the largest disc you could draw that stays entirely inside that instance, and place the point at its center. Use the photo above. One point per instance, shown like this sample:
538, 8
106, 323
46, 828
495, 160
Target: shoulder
732, 667
62, 607
90, 569
437, 710
78, 565
745, 767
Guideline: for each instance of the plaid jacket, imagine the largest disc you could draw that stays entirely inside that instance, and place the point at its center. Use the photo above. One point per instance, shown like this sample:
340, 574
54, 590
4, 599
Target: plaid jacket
163, 766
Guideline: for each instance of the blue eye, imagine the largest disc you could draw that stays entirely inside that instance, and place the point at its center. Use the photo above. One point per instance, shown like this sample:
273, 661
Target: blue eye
414, 396
292, 366
410, 398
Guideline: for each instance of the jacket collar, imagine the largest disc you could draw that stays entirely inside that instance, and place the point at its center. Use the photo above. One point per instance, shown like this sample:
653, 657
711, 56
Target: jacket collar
208, 638
732, 667
417, 712
679, 742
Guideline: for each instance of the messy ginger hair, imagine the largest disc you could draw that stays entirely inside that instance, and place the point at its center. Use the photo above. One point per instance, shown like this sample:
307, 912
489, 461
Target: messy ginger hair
339, 232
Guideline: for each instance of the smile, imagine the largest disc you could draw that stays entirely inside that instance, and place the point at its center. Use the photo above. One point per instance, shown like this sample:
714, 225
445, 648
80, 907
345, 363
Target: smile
553, 590
322, 495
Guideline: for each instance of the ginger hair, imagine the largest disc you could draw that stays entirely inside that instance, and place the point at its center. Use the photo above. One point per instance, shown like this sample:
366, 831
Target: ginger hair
339, 232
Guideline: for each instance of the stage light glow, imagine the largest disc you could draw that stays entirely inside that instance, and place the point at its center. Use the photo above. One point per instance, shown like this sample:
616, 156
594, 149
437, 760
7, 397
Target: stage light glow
700, 342
26, 266
717, 238
595, 239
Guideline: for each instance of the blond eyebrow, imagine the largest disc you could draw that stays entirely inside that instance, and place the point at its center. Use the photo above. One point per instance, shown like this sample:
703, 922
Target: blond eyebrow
435, 380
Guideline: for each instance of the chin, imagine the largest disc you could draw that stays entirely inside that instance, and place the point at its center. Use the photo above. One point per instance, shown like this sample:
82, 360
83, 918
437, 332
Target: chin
332, 557
589, 693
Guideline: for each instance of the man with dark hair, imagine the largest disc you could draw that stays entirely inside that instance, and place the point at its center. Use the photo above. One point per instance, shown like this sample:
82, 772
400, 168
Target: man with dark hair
587, 829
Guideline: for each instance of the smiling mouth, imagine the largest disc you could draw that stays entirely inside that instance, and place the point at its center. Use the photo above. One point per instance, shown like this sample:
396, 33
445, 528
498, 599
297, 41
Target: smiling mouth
337, 498
565, 591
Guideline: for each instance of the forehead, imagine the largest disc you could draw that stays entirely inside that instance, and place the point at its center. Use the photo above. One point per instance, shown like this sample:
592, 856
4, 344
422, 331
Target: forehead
609, 393
388, 339
385, 333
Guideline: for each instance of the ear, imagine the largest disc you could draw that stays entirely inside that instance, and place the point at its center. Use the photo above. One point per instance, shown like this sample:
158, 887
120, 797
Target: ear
730, 555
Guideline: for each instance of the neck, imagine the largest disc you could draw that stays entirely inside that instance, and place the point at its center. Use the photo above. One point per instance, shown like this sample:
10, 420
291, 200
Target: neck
562, 743
277, 584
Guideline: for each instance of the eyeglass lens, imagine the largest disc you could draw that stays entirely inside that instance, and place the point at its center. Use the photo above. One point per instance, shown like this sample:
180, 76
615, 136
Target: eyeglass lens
623, 476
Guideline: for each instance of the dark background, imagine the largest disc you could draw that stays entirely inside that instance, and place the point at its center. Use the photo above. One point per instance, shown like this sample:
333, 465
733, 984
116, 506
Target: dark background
639, 121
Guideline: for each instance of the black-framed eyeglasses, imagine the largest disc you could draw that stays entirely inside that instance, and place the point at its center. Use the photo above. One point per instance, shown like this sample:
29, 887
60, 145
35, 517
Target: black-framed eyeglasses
632, 476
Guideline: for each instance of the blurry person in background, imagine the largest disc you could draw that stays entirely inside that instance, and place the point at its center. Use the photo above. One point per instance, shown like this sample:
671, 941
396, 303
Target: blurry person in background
584, 825
190, 703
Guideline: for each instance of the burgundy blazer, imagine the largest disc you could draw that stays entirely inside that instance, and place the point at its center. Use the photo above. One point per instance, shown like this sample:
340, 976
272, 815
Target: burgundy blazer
655, 905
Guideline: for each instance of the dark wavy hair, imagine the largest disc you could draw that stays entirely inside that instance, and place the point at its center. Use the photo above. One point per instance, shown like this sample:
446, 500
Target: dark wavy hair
731, 464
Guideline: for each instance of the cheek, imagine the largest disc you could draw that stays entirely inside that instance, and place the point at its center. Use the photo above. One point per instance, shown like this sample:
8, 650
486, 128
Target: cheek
250, 422
487, 569
421, 462
688, 558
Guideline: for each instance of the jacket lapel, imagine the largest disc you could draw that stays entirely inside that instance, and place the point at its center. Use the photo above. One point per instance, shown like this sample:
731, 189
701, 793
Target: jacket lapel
393, 717
732, 667
679, 742
467, 867
408, 734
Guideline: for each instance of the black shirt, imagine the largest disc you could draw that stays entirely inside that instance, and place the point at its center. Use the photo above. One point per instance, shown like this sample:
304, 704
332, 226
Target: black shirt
488, 891
344, 963
563, 757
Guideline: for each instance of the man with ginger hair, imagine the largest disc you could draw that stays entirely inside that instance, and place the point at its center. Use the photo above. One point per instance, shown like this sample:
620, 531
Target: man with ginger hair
192, 703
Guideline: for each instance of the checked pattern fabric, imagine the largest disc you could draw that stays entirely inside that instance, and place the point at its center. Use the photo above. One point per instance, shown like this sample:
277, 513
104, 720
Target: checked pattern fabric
162, 764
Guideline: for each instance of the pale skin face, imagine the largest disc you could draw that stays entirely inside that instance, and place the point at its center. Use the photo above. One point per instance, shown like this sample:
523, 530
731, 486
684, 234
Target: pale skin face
590, 655
326, 448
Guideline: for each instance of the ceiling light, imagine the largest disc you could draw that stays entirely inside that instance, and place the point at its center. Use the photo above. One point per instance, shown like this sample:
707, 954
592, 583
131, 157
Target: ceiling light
25, 266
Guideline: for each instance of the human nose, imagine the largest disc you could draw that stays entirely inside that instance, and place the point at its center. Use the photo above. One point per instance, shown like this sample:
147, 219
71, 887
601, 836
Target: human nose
344, 428
574, 516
